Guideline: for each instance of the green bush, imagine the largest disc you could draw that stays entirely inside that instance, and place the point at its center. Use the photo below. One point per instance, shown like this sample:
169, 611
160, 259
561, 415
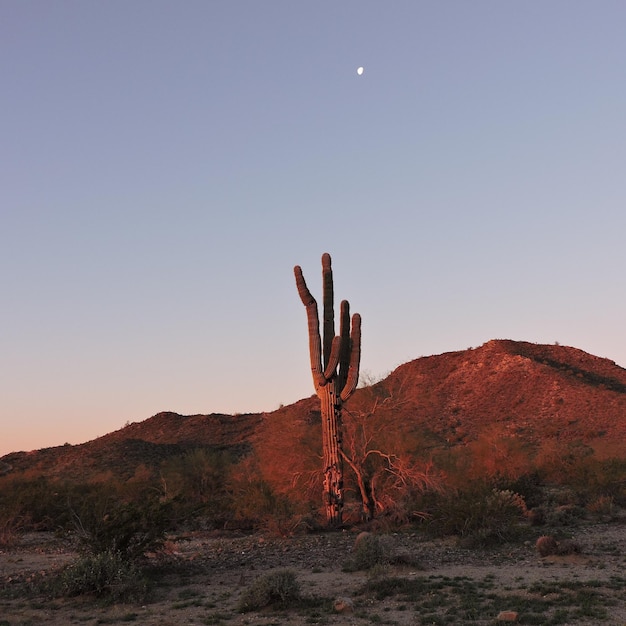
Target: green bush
257, 505
565, 515
35, 502
196, 483
528, 486
104, 574
106, 525
594, 478
12, 522
480, 515
279, 589
369, 552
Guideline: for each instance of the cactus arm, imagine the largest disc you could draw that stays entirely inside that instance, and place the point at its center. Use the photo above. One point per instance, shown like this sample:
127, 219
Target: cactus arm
333, 360
315, 344
344, 333
355, 359
303, 291
329, 313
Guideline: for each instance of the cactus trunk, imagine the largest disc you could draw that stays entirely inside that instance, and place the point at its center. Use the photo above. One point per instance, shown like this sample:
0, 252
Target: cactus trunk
333, 461
335, 361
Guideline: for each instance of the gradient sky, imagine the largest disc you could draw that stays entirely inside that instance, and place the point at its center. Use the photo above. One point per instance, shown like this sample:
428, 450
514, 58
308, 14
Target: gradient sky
164, 165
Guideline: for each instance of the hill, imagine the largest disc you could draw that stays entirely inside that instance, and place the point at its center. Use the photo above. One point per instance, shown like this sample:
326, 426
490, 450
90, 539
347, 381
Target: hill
536, 392
141, 443
532, 393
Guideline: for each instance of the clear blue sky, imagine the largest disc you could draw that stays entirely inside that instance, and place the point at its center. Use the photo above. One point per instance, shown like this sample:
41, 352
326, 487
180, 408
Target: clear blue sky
164, 165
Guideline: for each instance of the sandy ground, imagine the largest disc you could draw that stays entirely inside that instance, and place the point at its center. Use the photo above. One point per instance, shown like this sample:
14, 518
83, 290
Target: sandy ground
203, 576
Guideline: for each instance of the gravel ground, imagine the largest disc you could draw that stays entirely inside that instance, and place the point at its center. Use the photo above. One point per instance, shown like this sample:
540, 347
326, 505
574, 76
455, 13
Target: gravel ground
203, 576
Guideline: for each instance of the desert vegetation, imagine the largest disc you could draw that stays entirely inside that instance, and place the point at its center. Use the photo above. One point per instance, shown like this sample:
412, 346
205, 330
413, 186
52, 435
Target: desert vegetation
248, 495
519, 484
114, 523
398, 474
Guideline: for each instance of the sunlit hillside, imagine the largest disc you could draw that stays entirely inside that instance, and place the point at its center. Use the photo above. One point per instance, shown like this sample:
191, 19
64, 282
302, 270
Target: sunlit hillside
503, 412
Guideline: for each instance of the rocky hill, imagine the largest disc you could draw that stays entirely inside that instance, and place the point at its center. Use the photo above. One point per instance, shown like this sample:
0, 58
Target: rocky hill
149, 443
535, 391
530, 391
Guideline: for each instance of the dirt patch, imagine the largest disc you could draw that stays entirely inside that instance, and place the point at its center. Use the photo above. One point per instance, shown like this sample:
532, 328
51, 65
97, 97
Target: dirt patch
201, 576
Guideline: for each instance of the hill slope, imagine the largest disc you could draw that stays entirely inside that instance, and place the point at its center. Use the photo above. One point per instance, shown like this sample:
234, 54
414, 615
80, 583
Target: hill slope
149, 443
537, 391
533, 392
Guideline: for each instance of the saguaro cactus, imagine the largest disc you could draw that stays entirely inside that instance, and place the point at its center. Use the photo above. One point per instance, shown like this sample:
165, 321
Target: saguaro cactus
335, 361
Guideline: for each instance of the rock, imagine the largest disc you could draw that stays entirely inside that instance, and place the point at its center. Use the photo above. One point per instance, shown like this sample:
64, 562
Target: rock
507, 616
343, 605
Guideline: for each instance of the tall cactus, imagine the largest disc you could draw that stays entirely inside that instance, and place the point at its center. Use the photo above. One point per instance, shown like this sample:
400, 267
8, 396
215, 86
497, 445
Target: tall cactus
335, 361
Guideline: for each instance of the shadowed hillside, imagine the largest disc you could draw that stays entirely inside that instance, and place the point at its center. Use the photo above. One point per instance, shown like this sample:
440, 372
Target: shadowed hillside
149, 443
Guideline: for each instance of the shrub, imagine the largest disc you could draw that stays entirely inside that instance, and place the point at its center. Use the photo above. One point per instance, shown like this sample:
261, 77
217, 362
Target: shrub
104, 574
106, 525
12, 521
479, 516
32, 502
548, 545
565, 515
279, 588
601, 478
528, 486
568, 546
577, 467
196, 482
258, 505
369, 552
602, 507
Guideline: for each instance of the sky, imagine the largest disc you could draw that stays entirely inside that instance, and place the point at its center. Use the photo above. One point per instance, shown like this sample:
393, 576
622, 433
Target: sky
164, 165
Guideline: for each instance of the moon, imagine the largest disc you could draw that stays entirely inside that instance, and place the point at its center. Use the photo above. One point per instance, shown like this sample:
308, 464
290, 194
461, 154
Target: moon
359, 70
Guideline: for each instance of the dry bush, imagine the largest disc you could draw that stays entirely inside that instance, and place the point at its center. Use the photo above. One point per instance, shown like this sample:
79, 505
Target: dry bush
603, 507
12, 524
256, 504
286, 457
279, 589
387, 464
496, 455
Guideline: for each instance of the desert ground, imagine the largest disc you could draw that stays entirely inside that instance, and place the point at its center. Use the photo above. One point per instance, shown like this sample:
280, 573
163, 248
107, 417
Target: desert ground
200, 577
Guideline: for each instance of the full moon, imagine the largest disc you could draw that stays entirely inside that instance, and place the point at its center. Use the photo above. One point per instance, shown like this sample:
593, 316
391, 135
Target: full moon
359, 70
